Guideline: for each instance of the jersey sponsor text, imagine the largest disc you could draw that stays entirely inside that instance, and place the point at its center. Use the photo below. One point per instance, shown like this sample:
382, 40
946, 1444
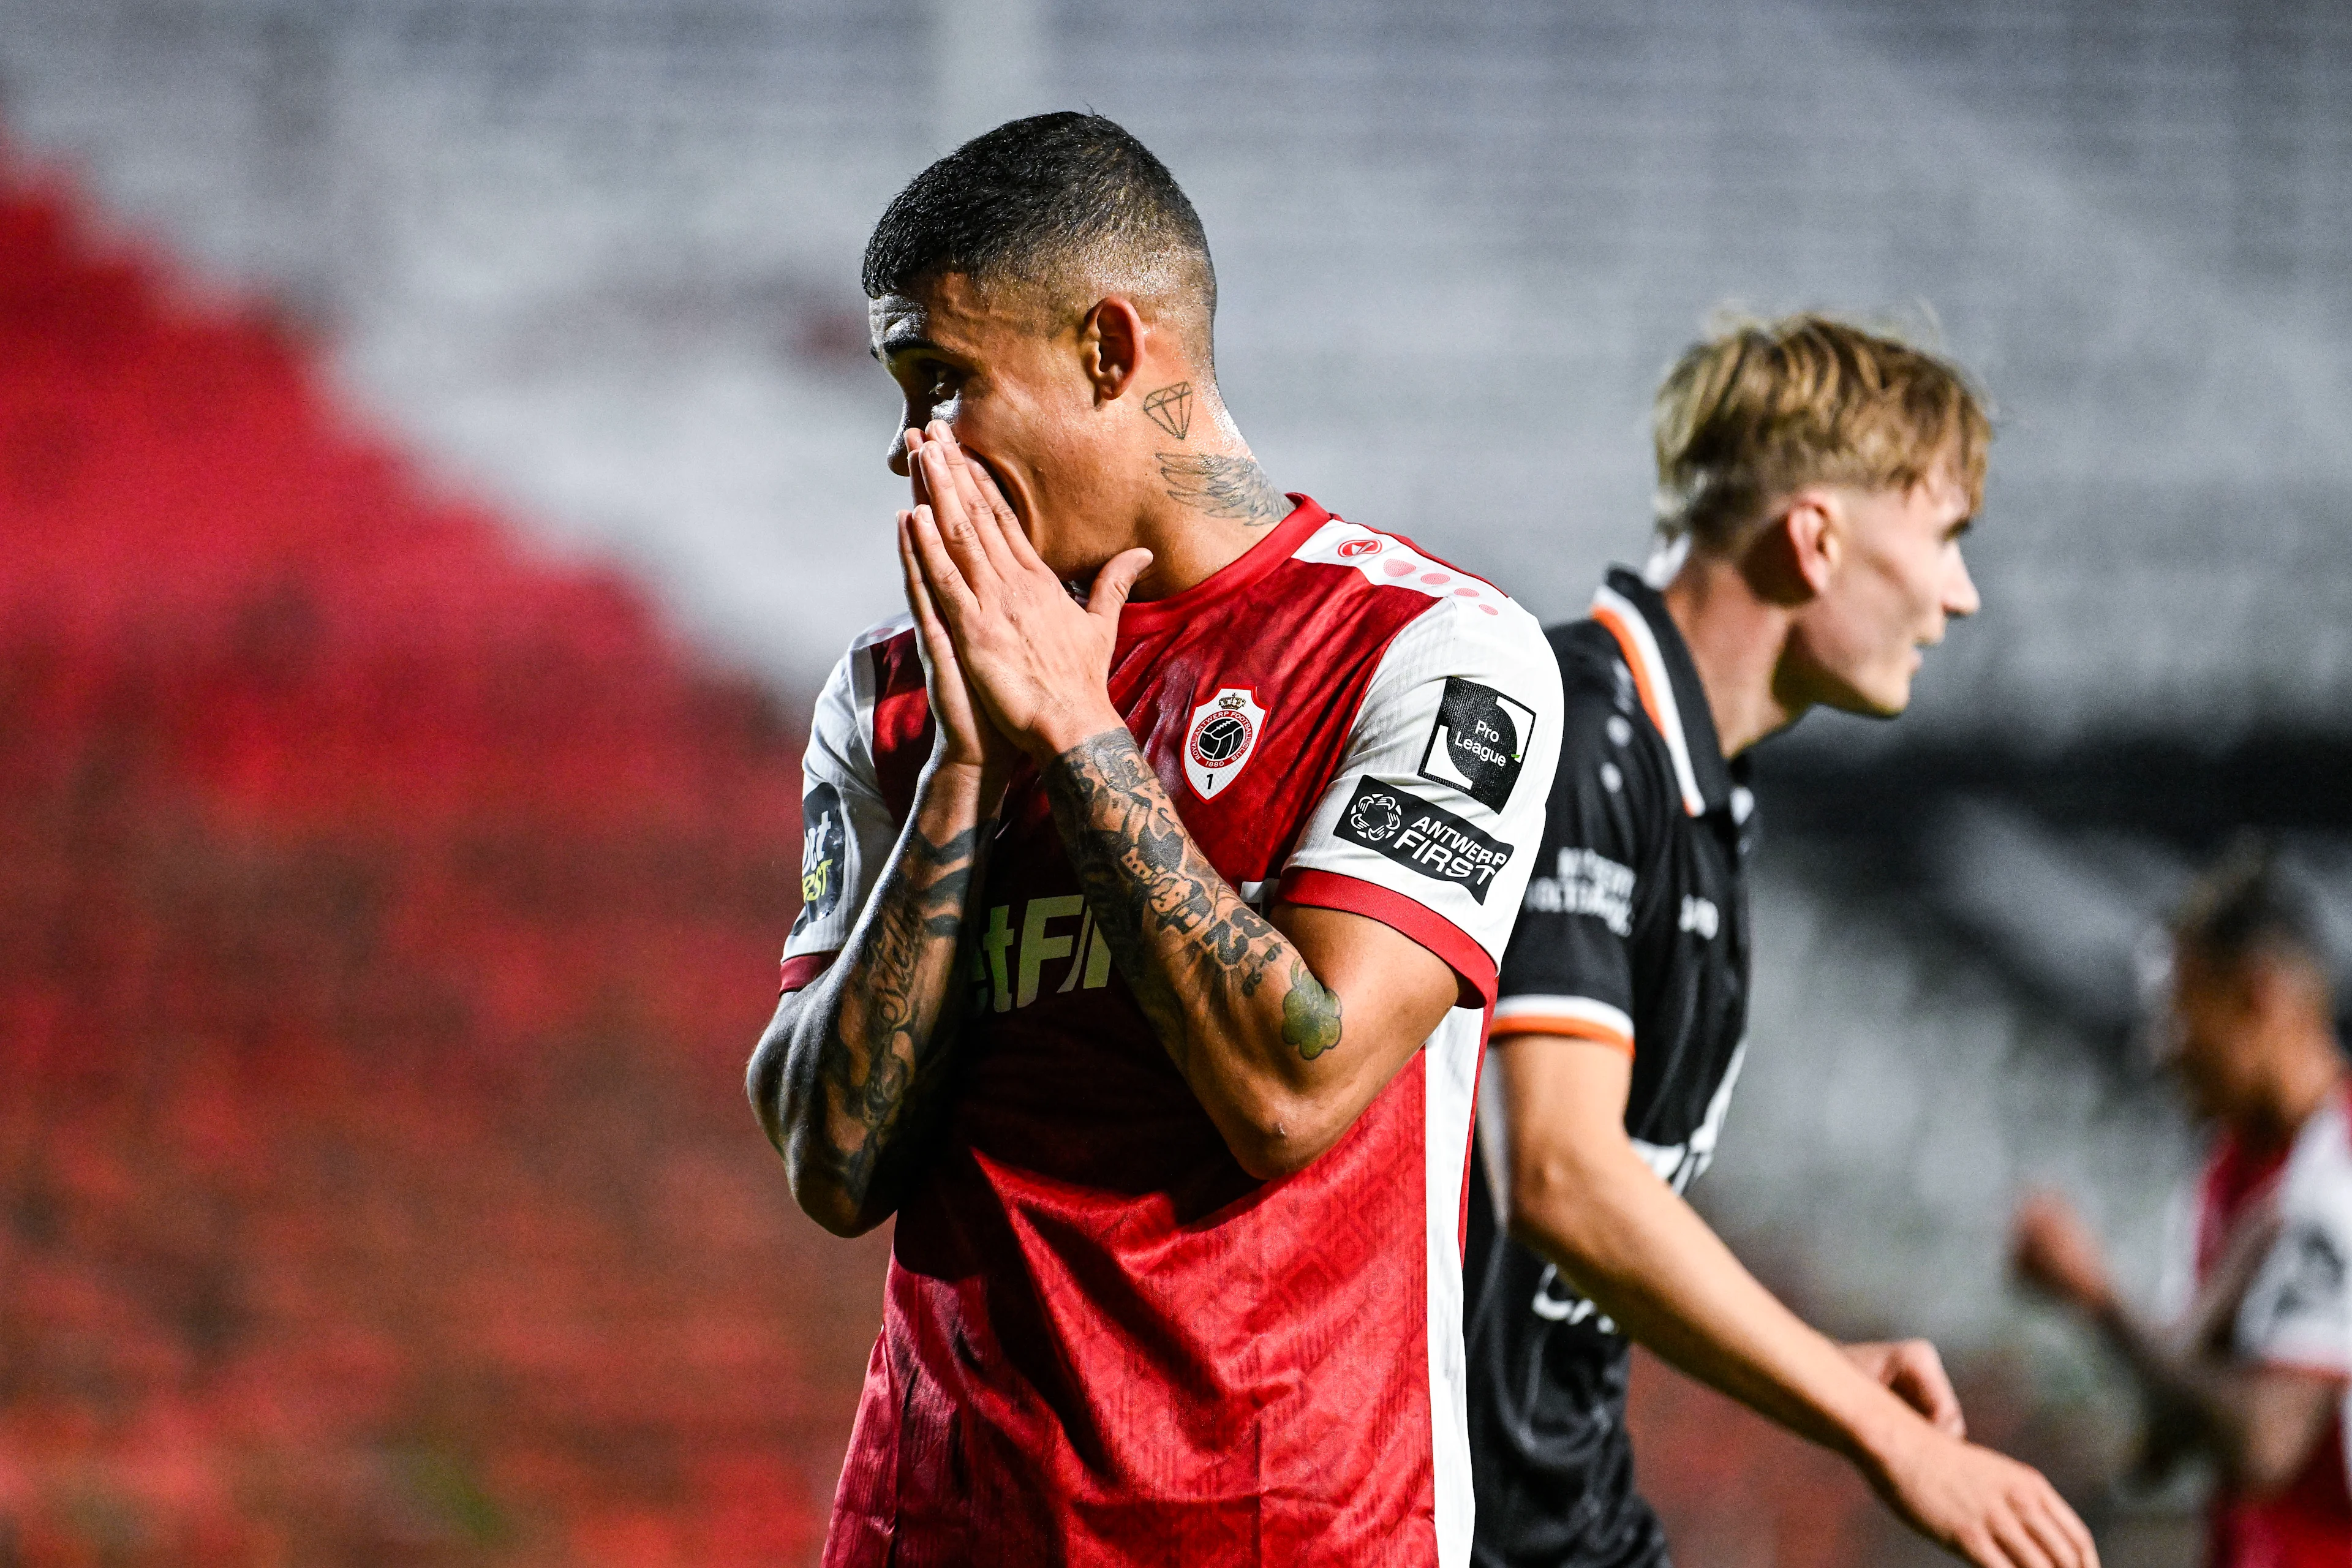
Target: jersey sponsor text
1422, 838
1585, 883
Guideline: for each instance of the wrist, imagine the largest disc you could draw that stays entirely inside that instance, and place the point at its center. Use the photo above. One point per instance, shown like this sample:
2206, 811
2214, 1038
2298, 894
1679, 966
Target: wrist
1884, 1437
1061, 730
960, 779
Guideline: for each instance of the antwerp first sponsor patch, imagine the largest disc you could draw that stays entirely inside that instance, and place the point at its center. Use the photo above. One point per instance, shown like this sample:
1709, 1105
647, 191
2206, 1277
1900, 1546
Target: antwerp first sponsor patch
1220, 740
1422, 838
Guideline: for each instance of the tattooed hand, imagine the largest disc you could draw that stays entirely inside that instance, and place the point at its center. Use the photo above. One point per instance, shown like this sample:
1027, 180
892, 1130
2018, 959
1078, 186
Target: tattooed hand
1038, 662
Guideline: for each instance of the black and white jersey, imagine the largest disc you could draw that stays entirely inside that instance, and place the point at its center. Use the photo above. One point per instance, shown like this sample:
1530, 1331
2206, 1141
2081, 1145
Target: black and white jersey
1634, 934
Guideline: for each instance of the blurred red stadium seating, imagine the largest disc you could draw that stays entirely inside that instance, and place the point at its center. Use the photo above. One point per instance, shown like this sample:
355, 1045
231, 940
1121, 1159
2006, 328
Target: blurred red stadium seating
385, 911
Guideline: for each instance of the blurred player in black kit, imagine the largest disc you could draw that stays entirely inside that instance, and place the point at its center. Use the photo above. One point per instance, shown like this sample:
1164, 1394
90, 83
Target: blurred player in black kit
1814, 482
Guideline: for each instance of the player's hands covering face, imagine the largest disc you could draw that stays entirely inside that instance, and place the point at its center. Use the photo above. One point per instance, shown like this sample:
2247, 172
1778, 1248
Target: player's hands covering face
1038, 662
965, 736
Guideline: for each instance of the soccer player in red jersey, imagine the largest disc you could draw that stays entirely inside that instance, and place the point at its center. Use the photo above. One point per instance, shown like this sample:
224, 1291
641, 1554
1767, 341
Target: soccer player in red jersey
1149, 926
2258, 1367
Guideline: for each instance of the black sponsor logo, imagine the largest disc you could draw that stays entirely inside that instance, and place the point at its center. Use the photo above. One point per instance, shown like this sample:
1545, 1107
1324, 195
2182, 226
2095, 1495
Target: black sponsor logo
1478, 741
824, 838
2308, 1273
1422, 838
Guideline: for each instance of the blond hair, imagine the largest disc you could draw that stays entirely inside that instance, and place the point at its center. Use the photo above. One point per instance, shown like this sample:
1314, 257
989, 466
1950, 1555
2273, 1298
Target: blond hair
1765, 407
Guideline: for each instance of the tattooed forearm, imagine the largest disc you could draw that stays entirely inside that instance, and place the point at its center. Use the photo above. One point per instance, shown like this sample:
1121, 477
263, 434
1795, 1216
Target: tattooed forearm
1188, 946
870, 1064
1222, 486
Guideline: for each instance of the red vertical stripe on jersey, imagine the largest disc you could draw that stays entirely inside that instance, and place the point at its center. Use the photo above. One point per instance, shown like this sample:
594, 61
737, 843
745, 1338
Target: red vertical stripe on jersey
902, 721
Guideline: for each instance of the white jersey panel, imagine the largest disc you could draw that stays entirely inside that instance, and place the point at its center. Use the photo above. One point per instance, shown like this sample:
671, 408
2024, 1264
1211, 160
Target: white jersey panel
1440, 797
2297, 1310
1450, 1092
846, 831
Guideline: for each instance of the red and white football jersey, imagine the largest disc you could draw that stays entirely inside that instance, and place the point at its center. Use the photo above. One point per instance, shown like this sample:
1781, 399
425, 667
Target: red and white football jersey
1102, 1341
2272, 1267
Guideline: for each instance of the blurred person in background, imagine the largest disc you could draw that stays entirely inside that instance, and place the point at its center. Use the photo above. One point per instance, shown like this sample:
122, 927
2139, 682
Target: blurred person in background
1149, 926
2255, 1370
1814, 482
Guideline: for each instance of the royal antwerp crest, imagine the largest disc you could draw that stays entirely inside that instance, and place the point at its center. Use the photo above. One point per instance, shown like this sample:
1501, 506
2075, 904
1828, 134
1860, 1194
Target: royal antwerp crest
1220, 740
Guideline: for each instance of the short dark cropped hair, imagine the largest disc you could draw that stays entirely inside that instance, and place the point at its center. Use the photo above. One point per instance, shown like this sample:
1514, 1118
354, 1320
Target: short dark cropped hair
1051, 205
2249, 904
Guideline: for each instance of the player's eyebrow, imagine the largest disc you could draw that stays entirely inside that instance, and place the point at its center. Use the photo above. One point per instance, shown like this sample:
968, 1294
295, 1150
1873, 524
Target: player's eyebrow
895, 344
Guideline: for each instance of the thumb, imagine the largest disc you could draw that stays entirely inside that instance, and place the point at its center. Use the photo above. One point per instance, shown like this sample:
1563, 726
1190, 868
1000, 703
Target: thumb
1115, 581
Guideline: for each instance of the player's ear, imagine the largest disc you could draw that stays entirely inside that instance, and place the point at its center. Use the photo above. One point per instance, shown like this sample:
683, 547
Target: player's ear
1788, 560
1808, 529
1110, 347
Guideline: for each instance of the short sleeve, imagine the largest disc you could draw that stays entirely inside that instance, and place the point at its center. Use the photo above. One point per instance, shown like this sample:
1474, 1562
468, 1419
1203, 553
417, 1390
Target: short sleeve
2297, 1310
1431, 821
846, 831
1569, 969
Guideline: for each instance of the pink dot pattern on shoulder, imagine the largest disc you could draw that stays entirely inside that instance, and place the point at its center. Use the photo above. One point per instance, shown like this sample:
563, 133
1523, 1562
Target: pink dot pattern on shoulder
1390, 561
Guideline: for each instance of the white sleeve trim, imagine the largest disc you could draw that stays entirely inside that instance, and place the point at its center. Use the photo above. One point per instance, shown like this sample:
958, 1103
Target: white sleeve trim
1583, 1009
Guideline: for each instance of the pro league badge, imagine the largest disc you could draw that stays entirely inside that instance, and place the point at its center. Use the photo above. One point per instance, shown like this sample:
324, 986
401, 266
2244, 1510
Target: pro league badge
1220, 740
1478, 741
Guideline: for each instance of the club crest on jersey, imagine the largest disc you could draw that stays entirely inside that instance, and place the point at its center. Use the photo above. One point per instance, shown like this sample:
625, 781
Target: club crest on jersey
1220, 739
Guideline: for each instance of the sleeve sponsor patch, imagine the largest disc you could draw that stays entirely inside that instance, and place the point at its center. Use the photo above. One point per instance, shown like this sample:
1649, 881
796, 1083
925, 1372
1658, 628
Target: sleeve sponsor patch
1422, 838
2302, 1279
1585, 883
1478, 741
825, 839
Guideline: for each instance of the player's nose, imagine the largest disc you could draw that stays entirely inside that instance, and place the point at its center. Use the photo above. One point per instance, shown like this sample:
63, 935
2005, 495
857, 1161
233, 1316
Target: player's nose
1961, 597
896, 456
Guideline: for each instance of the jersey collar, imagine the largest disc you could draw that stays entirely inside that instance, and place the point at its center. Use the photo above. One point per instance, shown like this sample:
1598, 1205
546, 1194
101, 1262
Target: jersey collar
1279, 544
1667, 682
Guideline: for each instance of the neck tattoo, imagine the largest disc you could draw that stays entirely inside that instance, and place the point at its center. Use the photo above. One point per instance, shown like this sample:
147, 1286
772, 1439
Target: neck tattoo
1232, 488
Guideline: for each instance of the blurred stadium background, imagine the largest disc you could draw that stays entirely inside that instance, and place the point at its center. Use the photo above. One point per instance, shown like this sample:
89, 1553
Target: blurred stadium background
438, 460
